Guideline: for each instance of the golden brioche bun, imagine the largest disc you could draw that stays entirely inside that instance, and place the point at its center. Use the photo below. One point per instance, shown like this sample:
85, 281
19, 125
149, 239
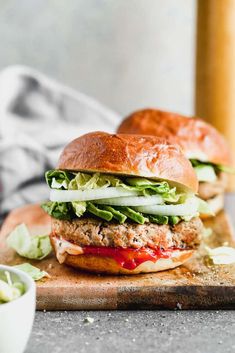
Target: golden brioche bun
198, 139
144, 156
107, 265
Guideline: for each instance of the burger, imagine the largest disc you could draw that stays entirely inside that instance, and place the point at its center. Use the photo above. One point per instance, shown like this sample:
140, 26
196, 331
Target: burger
203, 145
123, 204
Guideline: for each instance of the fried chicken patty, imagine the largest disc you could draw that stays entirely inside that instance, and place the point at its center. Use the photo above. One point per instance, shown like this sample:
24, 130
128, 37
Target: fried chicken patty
208, 190
94, 232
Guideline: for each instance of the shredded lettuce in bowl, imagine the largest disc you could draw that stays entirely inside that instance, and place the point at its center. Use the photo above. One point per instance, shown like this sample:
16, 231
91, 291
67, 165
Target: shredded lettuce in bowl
11, 287
101, 203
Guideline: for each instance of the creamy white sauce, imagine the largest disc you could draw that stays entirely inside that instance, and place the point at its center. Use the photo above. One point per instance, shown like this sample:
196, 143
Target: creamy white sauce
64, 247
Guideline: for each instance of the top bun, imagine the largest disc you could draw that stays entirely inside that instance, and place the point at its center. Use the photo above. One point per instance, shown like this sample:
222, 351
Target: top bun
198, 139
144, 156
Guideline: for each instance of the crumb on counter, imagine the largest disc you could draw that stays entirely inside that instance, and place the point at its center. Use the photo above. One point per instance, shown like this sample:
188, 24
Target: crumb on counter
179, 306
89, 320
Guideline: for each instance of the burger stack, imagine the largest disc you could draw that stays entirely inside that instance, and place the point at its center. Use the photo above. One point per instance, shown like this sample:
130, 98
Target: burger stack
128, 203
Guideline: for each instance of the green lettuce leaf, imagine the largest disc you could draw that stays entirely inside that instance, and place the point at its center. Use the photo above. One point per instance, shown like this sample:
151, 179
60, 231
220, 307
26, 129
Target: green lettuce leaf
79, 207
172, 197
58, 179
217, 167
59, 210
143, 184
151, 187
83, 181
136, 181
32, 271
31, 247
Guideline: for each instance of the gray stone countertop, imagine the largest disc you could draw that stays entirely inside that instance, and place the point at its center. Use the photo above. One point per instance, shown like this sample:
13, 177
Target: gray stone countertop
133, 331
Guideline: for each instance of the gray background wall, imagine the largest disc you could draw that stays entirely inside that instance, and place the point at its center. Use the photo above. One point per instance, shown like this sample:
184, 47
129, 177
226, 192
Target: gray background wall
126, 53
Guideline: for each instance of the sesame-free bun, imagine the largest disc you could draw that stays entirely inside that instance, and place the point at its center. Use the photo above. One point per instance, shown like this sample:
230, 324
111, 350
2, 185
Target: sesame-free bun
198, 139
133, 155
107, 265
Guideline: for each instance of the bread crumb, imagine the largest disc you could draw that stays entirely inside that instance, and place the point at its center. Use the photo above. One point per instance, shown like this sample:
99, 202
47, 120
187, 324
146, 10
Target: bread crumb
89, 320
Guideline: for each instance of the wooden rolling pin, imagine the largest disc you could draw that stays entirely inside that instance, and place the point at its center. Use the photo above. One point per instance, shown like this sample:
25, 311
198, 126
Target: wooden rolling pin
215, 66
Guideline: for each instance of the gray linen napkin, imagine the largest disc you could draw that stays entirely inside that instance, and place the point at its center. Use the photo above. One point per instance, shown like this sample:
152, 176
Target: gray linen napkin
38, 116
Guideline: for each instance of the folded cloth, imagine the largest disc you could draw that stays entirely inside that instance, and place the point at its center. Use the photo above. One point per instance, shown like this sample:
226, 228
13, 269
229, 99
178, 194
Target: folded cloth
38, 117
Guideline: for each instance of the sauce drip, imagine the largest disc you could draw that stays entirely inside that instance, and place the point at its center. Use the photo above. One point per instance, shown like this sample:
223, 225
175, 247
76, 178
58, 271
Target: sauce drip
129, 258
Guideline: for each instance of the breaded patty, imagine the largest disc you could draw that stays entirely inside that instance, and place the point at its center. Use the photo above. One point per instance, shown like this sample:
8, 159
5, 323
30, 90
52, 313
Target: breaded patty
94, 232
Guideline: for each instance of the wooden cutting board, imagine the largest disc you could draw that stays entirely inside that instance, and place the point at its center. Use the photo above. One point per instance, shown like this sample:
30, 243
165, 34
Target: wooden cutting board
193, 285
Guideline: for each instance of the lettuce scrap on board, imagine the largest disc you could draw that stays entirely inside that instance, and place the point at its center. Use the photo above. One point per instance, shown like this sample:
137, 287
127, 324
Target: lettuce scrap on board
32, 247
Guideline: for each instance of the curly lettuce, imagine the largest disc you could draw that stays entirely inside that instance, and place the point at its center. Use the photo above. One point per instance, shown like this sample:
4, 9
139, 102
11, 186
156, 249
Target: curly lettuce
57, 179
59, 210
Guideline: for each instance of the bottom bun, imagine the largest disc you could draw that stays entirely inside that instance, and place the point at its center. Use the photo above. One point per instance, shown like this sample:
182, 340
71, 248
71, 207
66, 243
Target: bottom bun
98, 264
216, 204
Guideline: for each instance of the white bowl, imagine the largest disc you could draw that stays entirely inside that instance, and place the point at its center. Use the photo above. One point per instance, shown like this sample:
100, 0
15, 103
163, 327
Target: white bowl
16, 317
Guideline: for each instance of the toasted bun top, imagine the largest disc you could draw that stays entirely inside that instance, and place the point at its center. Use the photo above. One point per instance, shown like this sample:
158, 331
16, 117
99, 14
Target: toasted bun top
198, 139
144, 156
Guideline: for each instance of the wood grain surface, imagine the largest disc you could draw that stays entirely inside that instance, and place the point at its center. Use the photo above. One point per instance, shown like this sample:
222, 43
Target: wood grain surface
193, 285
